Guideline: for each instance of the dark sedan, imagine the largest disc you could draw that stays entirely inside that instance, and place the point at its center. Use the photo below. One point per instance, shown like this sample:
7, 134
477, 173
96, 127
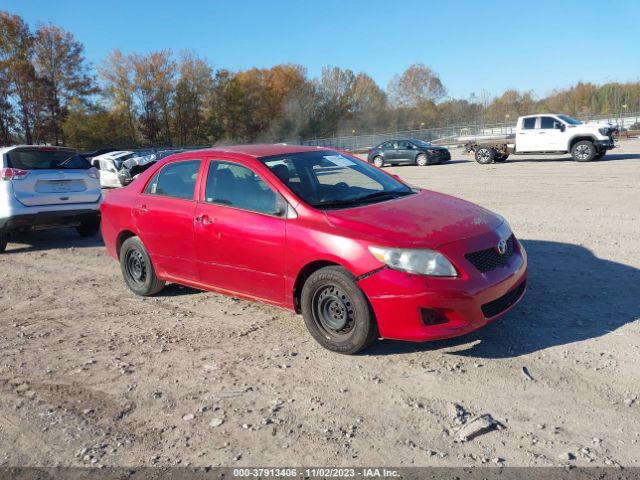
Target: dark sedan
413, 152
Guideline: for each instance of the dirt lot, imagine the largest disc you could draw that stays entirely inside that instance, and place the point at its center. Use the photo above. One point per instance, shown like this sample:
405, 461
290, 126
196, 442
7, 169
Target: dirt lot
91, 374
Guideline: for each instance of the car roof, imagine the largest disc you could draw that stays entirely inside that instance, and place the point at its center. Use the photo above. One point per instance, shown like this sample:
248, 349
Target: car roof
266, 150
112, 155
48, 147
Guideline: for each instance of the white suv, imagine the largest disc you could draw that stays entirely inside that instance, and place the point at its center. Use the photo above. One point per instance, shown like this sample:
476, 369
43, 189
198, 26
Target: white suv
42, 187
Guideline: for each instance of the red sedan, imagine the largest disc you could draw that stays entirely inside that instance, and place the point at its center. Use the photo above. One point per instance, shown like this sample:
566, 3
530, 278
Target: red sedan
359, 253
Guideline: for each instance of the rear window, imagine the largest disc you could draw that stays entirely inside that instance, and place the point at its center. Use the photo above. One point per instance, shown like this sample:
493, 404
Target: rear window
529, 123
46, 160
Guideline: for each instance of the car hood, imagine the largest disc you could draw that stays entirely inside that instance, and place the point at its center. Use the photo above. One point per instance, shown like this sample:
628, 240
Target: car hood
424, 220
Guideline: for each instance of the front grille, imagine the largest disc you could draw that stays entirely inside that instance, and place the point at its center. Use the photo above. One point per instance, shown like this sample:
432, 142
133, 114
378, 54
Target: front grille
499, 305
489, 259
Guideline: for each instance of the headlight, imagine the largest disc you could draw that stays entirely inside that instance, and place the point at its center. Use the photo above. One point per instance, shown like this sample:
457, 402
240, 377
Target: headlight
421, 262
604, 131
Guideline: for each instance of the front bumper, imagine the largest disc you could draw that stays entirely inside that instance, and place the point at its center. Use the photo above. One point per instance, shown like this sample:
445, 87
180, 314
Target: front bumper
605, 144
401, 301
56, 218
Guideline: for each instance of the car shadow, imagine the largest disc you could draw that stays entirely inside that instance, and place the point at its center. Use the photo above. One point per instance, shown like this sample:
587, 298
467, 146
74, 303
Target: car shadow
176, 290
51, 239
572, 296
608, 157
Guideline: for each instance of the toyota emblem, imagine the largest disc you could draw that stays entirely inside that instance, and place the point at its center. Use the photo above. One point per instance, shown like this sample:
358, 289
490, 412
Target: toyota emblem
502, 246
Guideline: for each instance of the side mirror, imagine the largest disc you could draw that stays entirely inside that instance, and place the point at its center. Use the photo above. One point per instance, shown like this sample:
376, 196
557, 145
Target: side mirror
561, 127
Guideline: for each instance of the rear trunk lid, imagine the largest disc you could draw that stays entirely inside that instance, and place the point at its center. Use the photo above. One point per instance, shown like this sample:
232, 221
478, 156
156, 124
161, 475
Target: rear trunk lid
56, 176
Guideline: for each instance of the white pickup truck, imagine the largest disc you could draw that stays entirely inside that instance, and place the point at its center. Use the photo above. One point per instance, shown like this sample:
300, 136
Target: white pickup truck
548, 134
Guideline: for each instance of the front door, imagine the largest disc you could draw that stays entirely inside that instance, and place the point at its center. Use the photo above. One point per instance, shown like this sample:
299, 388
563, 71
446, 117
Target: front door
553, 139
240, 233
405, 151
164, 214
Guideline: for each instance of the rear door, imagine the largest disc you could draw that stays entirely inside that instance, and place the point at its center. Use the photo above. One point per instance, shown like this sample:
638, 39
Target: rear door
164, 215
527, 135
55, 177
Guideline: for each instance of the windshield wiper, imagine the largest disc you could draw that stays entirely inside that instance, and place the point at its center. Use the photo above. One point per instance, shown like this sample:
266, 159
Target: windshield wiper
380, 195
365, 199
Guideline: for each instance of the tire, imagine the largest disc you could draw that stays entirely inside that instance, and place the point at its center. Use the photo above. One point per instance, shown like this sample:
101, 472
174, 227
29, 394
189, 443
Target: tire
336, 312
485, 155
422, 160
583, 151
137, 269
4, 239
89, 228
600, 155
378, 161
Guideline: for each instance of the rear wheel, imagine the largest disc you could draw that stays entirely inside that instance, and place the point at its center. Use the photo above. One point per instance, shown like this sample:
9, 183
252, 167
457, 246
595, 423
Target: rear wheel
137, 268
378, 161
485, 155
336, 312
422, 160
583, 151
89, 228
4, 239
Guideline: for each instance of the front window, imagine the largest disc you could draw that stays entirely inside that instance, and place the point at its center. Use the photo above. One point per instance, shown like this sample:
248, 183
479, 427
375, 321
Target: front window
237, 186
328, 179
549, 123
46, 159
569, 120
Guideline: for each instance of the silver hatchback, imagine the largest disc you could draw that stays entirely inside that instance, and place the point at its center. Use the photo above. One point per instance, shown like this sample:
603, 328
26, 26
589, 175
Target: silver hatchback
44, 187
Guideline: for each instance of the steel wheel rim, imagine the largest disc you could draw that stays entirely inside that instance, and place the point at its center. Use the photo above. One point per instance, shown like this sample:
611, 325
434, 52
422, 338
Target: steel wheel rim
333, 311
583, 151
377, 161
422, 160
136, 266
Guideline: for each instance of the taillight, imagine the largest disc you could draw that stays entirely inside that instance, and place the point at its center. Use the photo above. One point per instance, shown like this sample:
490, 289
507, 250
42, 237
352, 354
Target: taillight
12, 174
93, 173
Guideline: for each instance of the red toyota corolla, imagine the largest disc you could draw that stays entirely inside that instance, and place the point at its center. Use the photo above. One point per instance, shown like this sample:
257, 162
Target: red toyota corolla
359, 253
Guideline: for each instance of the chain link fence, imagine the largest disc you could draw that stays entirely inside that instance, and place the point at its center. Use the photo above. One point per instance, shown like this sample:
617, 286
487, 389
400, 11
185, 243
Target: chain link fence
452, 134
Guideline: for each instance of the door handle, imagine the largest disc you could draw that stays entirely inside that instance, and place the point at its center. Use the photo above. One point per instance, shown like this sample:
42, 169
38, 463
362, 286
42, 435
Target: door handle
204, 219
143, 209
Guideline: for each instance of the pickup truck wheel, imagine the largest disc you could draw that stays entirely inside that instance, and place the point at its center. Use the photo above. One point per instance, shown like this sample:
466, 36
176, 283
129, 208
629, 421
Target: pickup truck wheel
336, 312
485, 155
4, 239
422, 160
137, 269
583, 151
378, 161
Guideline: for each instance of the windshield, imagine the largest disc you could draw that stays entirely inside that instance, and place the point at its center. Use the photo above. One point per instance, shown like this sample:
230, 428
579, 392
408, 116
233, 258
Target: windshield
569, 120
46, 159
421, 143
328, 179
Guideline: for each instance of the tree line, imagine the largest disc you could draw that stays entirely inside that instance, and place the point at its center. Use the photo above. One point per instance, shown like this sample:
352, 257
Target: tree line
49, 93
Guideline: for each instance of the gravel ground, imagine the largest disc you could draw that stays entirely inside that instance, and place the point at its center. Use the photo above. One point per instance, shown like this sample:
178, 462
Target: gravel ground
92, 375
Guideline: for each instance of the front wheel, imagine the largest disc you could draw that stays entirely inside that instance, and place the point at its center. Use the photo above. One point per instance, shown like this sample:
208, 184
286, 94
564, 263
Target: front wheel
485, 155
137, 268
583, 151
336, 312
378, 161
422, 160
